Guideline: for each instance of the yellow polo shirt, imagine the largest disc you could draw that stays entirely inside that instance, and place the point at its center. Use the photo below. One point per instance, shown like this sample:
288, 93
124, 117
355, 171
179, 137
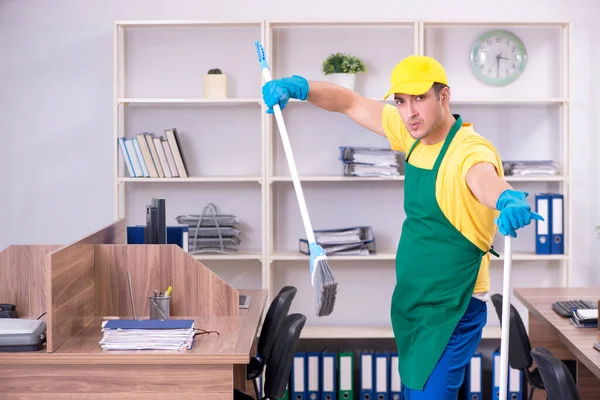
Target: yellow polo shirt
474, 220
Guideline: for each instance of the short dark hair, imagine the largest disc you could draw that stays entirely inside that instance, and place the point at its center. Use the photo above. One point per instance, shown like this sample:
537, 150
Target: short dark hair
438, 87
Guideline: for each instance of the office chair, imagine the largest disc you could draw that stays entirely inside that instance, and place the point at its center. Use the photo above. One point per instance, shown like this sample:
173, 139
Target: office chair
557, 378
519, 347
278, 310
279, 365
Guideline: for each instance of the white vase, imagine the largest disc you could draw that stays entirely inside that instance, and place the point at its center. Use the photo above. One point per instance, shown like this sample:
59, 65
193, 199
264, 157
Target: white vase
345, 80
214, 86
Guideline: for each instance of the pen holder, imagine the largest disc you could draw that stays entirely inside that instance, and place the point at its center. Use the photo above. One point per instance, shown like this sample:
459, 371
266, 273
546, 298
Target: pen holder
160, 307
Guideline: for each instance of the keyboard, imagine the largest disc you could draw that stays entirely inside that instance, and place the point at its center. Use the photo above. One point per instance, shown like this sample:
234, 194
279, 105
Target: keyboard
244, 301
565, 308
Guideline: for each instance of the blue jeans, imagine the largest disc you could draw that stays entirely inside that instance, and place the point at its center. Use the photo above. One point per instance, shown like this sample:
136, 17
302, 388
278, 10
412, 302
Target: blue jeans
448, 375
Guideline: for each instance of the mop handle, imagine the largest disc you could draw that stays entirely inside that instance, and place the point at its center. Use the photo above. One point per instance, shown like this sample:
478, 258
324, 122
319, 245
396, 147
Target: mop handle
288, 149
506, 295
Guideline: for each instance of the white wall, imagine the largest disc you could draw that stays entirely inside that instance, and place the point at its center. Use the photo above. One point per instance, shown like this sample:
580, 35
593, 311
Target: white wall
56, 95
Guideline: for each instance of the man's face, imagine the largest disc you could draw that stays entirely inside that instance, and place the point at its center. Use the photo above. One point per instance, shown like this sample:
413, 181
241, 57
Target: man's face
422, 114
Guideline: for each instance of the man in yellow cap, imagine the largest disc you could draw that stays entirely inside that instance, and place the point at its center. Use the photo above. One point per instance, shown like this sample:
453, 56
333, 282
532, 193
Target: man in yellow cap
455, 198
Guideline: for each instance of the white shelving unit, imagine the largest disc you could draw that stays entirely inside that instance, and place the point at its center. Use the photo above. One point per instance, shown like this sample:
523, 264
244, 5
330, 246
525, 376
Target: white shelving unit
236, 160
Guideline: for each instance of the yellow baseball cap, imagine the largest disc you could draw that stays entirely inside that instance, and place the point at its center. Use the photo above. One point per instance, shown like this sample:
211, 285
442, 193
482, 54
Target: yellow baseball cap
415, 75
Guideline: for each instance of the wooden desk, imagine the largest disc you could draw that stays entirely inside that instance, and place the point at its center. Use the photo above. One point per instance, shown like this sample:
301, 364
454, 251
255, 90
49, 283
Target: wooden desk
548, 329
79, 368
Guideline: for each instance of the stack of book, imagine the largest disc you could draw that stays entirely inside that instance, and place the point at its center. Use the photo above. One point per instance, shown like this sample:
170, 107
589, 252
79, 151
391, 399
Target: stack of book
358, 240
146, 156
586, 318
148, 334
211, 232
370, 161
530, 168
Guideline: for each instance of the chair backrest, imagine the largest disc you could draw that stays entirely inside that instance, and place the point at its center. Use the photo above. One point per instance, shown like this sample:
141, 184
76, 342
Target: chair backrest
278, 310
519, 347
557, 378
279, 365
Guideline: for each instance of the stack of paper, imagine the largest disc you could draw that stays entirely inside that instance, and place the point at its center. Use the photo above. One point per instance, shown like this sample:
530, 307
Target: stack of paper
211, 232
358, 240
370, 161
530, 168
150, 334
585, 318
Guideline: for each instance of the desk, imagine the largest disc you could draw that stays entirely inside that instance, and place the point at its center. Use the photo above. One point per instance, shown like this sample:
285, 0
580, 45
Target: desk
80, 369
548, 329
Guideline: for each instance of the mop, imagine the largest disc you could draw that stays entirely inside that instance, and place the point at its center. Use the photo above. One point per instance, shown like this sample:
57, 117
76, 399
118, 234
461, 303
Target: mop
505, 318
321, 276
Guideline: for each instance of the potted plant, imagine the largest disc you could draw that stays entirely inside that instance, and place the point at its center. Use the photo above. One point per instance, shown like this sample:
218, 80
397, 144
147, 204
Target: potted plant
342, 69
215, 84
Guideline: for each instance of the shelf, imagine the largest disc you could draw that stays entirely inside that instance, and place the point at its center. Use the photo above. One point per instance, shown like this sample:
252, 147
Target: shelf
241, 256
371, 332
336, 178
389, 255
498, 101
230, 101
184, 23
195, 179
339, 178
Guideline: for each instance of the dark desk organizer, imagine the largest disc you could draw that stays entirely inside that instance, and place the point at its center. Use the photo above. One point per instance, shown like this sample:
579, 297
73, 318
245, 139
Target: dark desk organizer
8, 311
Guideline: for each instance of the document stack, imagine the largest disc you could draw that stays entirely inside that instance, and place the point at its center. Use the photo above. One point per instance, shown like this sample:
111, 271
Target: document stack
211, 232
530, 168
358, 240
585, 318
150, 334
370, 161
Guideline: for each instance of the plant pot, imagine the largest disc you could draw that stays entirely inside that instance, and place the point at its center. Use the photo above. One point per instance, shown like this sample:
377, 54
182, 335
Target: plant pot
214, 86
346, 80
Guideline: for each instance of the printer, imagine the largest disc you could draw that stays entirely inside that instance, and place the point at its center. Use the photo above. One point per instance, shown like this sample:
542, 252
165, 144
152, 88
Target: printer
20, 334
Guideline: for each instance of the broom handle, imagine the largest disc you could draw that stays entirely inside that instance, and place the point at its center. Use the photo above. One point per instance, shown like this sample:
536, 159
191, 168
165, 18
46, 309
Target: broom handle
505, 318
291, 164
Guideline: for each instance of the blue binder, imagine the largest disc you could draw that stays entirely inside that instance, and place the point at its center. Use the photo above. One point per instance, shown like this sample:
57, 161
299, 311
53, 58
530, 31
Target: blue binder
496, 375
366, 376
298, 379
395, 381
313, 375
177, 234
474, 379
542, 228
328, 376
381, 366
557, 241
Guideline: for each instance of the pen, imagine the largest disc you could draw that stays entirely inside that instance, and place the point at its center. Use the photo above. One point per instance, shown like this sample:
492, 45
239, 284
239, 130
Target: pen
168, 292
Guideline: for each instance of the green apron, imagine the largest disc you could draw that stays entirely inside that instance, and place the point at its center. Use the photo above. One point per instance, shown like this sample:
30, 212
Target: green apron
436, 271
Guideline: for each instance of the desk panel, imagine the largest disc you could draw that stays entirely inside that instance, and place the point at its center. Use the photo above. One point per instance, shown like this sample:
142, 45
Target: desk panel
550, 330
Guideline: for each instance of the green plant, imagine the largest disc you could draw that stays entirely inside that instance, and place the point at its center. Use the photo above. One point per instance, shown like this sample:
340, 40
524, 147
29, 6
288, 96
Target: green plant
214, 71
343, 63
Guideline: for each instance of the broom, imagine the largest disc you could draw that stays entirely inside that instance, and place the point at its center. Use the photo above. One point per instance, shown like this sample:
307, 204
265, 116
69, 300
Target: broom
321, 276
505, 318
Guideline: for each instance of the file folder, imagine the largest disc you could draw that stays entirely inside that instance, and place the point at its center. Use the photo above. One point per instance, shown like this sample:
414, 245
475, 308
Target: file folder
496, 375
474, 378
328, 369
366, 376
395, 381
381, 364
346, 376
542, 228
298, 379
313, 375
515, 384
557, 245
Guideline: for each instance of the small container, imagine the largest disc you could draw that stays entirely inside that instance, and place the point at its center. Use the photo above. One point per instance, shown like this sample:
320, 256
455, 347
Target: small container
160, 307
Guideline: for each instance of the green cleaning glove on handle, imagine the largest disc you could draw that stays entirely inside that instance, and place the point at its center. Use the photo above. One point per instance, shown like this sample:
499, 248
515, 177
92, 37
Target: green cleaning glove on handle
515, 212
280, 91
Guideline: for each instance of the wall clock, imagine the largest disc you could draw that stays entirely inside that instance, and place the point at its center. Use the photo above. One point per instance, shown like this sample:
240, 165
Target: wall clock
498, 57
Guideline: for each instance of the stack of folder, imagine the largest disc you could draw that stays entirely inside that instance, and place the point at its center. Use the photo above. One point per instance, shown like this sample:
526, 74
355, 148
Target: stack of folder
211, 232
150, 334
370, 161
358, 240
530, 168
587, 318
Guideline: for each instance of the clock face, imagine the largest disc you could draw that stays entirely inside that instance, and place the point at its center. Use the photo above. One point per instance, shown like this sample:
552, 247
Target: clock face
498, 57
